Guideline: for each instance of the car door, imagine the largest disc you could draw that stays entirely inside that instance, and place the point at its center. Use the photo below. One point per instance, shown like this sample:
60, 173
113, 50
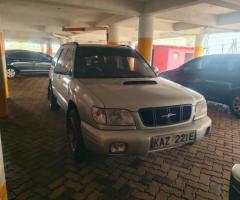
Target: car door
233, 78
23, 61
190, 74
68, 64
216, 84
57, 81
43, 63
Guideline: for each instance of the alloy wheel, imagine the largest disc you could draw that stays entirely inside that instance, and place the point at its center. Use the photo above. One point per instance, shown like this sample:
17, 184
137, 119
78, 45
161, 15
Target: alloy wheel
11, 73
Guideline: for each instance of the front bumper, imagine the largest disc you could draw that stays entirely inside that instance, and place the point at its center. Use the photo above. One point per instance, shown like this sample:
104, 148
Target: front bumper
138, 141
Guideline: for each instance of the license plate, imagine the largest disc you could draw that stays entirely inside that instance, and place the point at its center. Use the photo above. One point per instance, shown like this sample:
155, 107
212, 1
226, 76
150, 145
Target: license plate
161, 142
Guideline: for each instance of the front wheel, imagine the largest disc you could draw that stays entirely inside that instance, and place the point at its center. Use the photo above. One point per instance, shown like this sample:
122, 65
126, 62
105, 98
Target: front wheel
74, 134
235, 105
11, 72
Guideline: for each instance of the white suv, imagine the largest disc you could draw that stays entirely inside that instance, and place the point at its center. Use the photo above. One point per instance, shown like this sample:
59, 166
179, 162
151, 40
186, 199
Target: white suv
115, 103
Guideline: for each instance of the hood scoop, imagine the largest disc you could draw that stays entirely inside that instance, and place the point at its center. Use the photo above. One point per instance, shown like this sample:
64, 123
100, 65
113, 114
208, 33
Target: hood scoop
142, 82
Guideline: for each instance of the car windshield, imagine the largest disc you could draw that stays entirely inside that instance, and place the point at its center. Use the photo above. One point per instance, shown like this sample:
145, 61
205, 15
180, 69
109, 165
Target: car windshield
111, 62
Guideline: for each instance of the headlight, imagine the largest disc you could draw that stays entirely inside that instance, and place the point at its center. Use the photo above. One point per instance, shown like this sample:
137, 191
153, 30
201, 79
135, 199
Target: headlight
113, 117
200, 109
99, 115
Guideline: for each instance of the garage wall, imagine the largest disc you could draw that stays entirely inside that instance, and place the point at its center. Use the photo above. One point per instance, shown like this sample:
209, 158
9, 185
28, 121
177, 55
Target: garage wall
170, 57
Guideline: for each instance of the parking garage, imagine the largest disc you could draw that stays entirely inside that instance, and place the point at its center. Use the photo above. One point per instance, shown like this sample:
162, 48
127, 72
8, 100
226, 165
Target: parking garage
36, 157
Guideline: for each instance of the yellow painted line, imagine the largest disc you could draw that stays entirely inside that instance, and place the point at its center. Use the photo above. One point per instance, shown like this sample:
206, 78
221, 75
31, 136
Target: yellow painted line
199, 51
3, 192
145, 48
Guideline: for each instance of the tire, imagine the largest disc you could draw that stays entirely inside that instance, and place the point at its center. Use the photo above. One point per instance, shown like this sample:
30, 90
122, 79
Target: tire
235, 105
11, 72
74, 133
52, 99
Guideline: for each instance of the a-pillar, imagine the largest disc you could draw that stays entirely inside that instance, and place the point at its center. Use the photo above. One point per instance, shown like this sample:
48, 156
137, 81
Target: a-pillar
49, 48
3, 79
113, 35
199, 48
3, 187
145, 36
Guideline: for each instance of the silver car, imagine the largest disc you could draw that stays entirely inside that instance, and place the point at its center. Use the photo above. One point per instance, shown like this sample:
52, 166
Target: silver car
115, 103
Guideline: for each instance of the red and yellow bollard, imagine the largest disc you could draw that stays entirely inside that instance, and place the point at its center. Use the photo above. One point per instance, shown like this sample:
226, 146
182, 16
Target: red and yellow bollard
199, 49
3, 80
113, 35
145, 37
49, 48
3, 187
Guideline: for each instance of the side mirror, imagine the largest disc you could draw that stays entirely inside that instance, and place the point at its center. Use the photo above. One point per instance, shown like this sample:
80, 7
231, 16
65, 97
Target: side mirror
156, 70
62, 71
69, 73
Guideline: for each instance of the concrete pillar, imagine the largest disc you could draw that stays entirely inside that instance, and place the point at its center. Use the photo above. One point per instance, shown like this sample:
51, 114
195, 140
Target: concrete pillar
3, 187
145, 36
113, 35
42, 47
199, 49
62, 41
49, 48
3, 79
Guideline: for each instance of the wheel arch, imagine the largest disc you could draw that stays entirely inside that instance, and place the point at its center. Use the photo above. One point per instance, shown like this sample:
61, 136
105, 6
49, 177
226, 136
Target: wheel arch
12, 66
72, 105
233, 93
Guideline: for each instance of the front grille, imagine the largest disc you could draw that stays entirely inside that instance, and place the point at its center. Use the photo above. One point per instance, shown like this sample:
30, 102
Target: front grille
164, 116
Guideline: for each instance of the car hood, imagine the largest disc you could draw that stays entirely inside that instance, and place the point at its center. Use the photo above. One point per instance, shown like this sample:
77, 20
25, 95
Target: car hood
129, 94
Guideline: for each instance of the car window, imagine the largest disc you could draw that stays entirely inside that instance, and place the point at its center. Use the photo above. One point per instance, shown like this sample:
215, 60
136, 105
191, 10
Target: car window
44, 58
216, 65
34, 56
193, 65
60, 63
23, 56
101, 62
69, 59
56, 57
233, 66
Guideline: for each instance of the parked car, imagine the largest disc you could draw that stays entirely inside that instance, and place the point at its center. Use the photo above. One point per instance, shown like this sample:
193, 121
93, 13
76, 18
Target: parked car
234, 192
115, 103
27, 62
214, 76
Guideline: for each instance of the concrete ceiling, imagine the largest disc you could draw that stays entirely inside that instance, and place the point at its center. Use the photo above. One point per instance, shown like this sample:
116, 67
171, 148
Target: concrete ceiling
44, 19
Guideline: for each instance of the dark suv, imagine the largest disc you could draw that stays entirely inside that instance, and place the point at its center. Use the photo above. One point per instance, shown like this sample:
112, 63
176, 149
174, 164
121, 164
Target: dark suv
27, 62
217, 77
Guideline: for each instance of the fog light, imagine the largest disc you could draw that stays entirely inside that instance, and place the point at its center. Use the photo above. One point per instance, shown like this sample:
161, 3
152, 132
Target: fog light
118, 147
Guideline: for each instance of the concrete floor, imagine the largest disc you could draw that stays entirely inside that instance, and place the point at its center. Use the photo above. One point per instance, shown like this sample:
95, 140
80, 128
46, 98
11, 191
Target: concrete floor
39, 166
